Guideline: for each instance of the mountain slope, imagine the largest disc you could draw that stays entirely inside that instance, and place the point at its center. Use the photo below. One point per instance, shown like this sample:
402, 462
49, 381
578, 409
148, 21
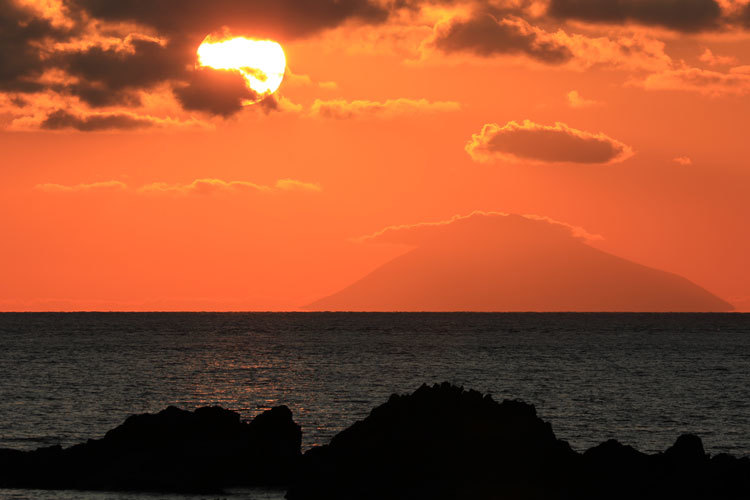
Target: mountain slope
498, 262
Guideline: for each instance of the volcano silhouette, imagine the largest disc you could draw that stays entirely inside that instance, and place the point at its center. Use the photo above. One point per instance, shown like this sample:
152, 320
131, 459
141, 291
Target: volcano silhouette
489, 261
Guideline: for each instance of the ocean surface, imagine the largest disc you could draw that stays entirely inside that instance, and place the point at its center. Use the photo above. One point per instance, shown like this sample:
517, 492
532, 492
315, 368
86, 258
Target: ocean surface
641, 378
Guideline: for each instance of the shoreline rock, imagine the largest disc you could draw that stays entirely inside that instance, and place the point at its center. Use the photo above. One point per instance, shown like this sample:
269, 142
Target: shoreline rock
440, 443
443, 442
174, 450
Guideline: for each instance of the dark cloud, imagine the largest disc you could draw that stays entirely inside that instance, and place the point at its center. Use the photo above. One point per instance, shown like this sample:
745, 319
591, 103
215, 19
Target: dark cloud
485, 35
270, 103
498, 8
279, 18
680, 15
214, 91
108, 76
745, 16
114, 75
101, 76
19, 102
99, 96
21, 61
545, 144
61, 119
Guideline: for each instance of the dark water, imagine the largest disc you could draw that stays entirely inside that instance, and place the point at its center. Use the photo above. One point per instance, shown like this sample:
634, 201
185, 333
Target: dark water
643, 379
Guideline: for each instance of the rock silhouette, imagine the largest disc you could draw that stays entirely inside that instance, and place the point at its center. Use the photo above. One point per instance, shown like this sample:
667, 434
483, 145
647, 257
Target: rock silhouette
499, 262
173, 450
442, 442
439, 443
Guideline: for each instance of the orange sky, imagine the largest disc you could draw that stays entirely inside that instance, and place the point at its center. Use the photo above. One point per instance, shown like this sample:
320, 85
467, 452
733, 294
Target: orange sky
118, 193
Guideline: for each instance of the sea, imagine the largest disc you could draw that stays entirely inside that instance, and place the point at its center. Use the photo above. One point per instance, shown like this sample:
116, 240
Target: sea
643, 379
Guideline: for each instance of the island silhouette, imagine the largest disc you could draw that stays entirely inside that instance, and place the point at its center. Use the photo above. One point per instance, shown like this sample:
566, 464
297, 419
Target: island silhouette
495, 262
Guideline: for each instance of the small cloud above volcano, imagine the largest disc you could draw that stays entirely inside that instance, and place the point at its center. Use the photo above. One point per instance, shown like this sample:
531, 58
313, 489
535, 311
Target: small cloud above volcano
558, 143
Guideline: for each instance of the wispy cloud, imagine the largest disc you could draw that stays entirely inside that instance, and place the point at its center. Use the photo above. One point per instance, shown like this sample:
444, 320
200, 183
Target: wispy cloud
207, 186
342, 109
703, 81
576, 100
94, 186
295, 185
712, 59
411, 233
203, 186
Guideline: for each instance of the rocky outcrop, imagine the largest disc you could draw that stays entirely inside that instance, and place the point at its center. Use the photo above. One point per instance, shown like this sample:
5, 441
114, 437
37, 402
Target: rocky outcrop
442, 442
683, 471
174, 450
439, 443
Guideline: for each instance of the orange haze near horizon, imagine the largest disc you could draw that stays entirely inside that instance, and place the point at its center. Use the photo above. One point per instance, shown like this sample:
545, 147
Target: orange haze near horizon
134, 180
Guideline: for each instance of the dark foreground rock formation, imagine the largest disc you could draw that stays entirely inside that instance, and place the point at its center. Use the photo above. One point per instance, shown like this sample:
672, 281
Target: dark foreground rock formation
174, 450
439, 443
446, 443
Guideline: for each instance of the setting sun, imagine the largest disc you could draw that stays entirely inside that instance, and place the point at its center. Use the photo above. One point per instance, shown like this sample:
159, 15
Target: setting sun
261, 62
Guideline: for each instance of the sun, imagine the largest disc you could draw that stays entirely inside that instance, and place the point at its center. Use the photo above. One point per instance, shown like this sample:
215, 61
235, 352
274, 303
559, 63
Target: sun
261, 62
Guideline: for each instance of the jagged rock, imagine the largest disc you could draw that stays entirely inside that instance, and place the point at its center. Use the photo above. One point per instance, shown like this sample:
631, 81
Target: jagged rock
442, 442
173, 450
687, 451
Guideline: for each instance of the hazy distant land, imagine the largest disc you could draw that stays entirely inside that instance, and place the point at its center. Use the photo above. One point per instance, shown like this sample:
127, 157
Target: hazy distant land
498, 262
